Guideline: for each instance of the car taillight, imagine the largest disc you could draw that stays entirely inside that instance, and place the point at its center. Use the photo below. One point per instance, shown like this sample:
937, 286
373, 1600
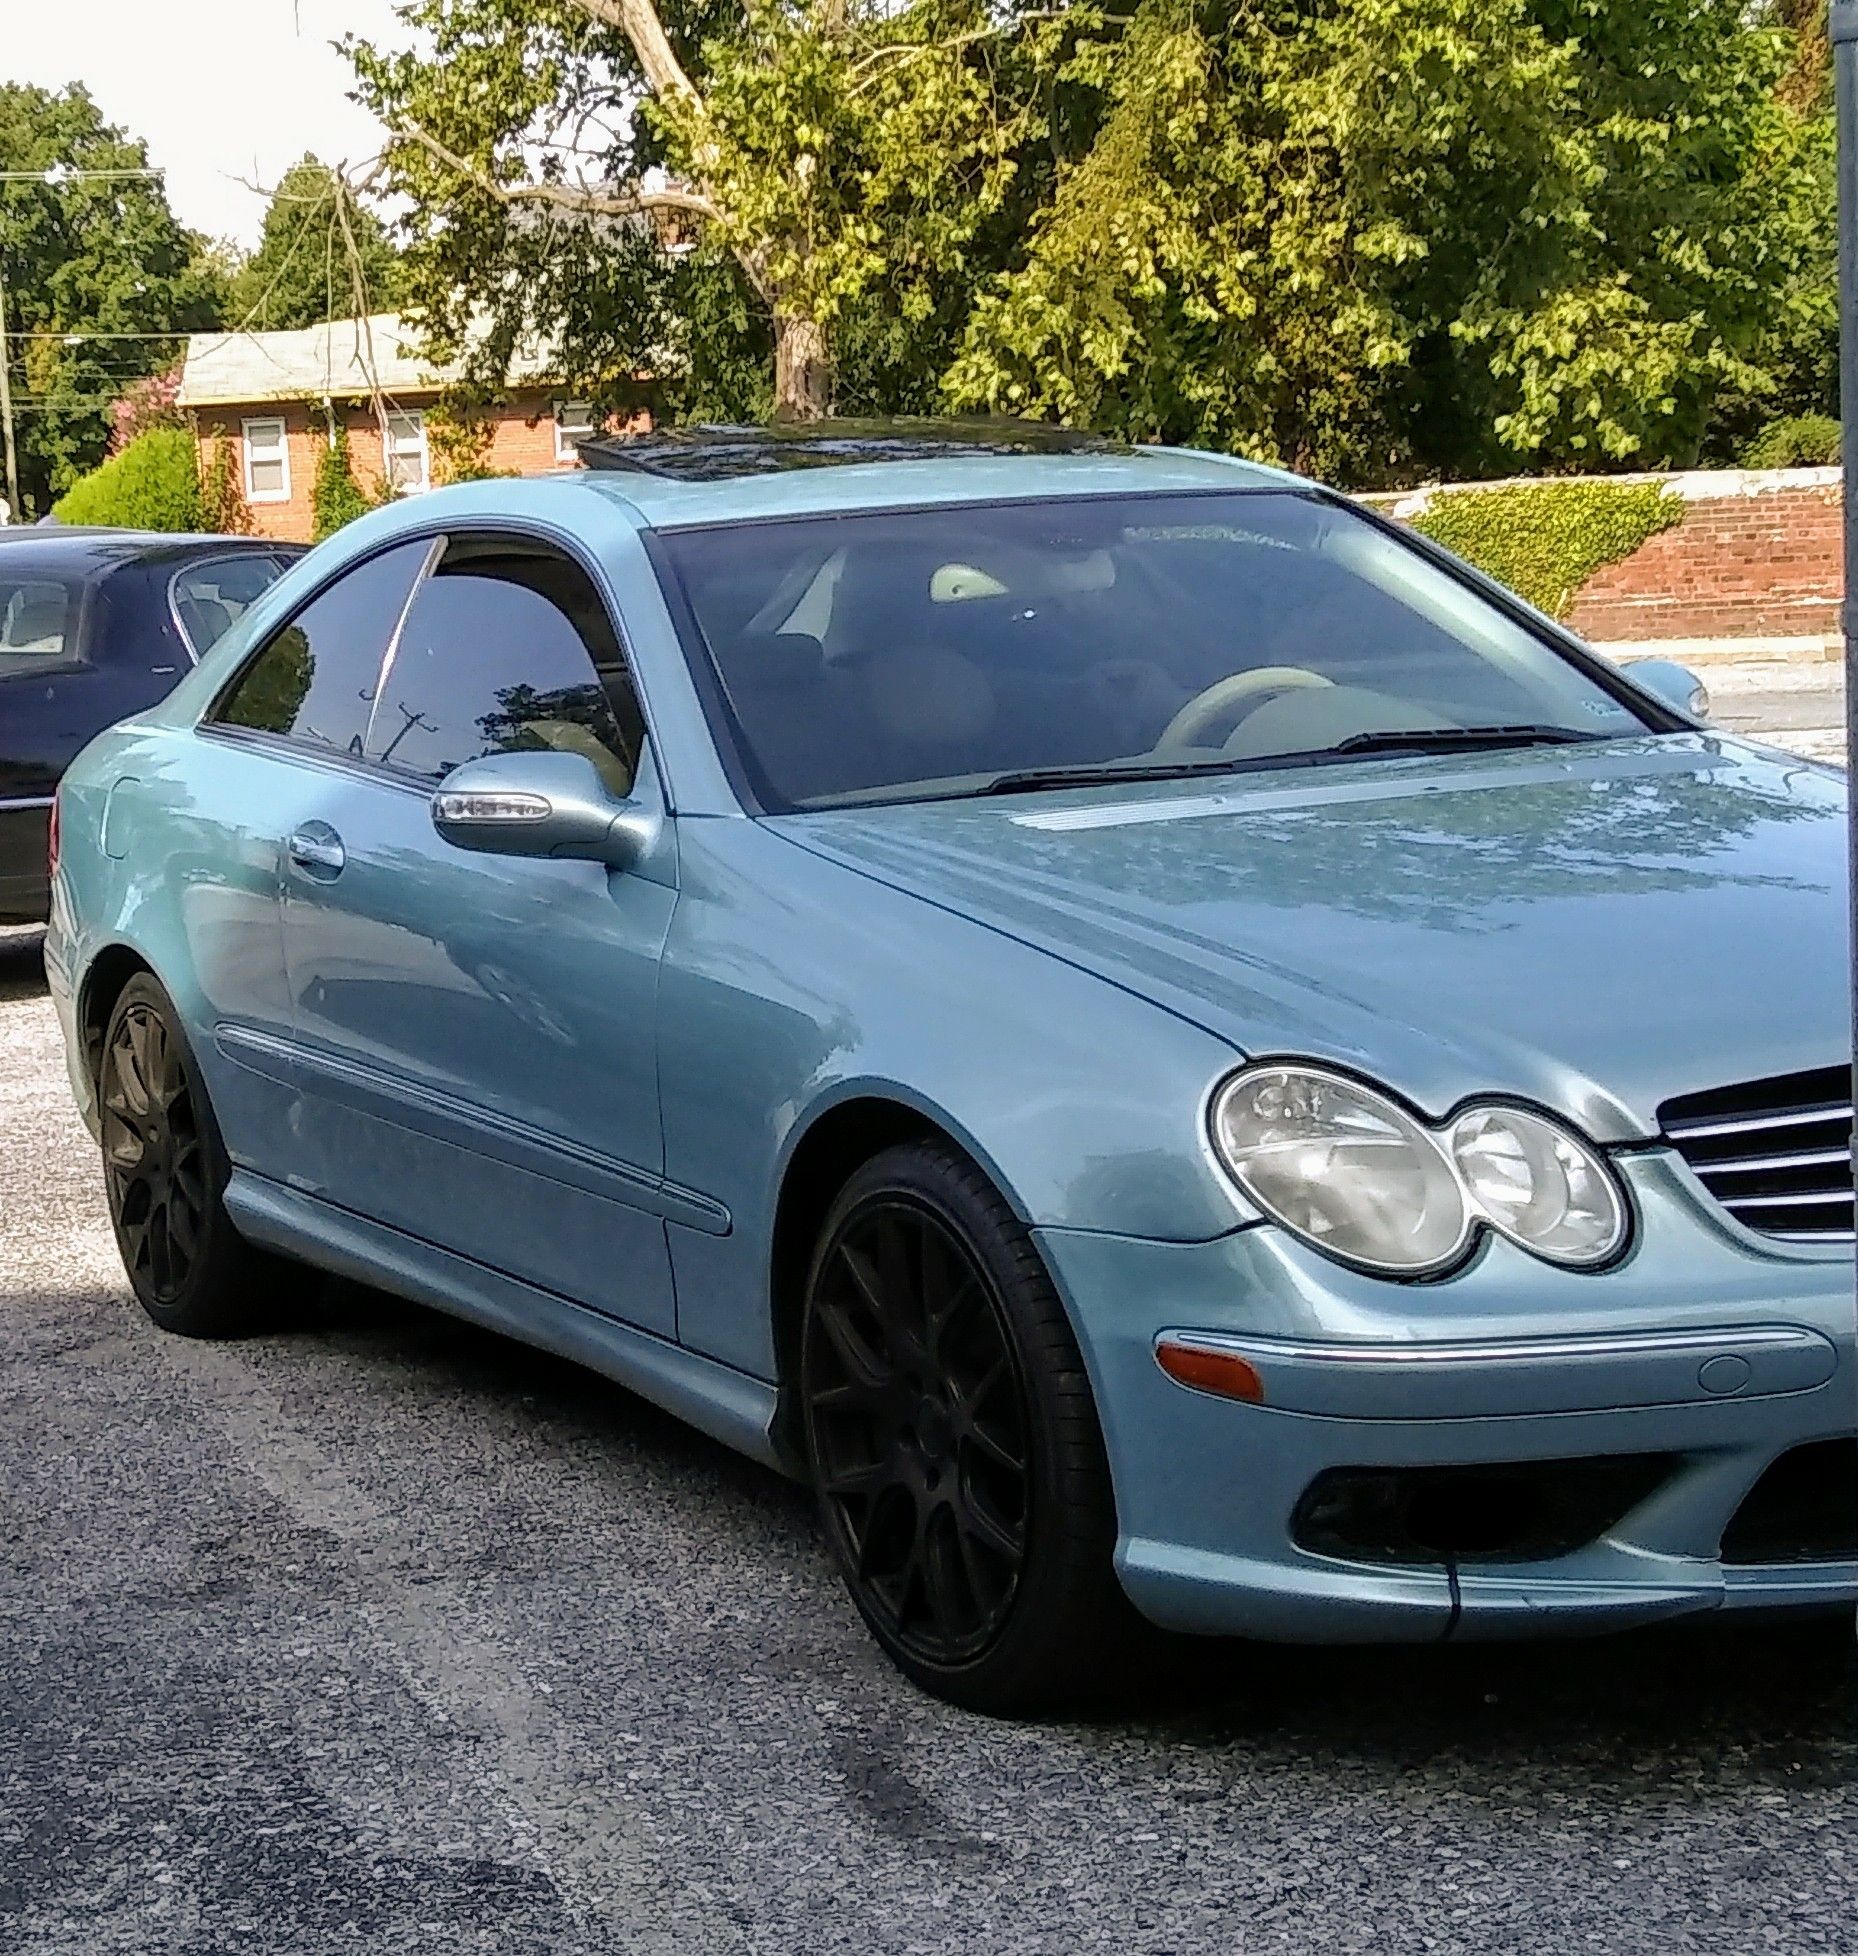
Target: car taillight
51, 841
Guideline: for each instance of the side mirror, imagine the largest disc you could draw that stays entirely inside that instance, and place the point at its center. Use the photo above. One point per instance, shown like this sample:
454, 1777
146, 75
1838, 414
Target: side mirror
541, 804
1671, 685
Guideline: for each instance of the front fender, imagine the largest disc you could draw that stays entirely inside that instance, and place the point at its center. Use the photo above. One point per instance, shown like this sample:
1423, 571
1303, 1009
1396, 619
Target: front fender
792, 985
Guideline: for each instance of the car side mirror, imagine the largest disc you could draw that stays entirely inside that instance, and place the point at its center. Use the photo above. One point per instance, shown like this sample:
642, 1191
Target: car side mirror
1671, 685
541, 804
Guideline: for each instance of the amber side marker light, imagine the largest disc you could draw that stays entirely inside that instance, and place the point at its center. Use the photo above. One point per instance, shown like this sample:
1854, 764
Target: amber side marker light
1206, 1370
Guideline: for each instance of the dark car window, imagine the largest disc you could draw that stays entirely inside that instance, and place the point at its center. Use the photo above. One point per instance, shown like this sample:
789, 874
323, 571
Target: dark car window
38, 621
923, 652
213, 594
506, 646
314, 679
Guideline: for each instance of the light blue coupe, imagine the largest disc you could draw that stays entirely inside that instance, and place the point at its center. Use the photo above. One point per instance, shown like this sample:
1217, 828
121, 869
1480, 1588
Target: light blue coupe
1176, 1052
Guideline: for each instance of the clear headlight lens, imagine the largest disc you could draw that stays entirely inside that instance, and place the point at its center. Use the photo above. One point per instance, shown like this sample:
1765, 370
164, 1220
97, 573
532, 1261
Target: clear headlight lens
1343, 1166
1542, 1186
1351, 1171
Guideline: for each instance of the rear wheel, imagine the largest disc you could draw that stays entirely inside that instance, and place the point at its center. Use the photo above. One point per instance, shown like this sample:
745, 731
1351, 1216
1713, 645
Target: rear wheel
165, 1172
953, 1440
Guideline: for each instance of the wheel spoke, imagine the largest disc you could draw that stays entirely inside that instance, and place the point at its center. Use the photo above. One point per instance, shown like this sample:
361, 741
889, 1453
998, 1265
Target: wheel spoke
984, 1443
1001, 1537
862, 1362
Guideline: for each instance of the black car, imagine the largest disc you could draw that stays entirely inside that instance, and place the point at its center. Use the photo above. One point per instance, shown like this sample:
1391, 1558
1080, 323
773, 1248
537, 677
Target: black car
95, 625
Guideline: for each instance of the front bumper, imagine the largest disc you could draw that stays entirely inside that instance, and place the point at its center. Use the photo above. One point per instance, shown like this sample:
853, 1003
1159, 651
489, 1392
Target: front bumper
1704, 1352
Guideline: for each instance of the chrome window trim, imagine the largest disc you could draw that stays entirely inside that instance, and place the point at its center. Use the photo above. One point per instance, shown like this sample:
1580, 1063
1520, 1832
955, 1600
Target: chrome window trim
12, 804
194, 653
384, 671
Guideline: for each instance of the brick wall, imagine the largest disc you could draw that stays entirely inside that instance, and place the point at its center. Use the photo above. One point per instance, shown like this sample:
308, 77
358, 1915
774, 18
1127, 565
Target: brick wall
522, 443
1758, 555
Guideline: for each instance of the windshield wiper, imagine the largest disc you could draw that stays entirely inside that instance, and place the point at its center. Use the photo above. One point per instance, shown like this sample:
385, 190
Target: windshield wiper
1423, 740
1028, 780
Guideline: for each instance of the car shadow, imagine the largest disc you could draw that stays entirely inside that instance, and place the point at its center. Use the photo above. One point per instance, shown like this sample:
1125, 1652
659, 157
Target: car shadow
1728, 1704
22, 964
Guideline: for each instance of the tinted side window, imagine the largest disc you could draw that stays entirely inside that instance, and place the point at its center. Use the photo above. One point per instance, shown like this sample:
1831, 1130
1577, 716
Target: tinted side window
314, 680
211, 596
506, 647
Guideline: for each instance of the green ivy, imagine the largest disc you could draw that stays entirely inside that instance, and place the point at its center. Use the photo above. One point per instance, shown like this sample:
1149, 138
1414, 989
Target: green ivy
337, 498
1795, 441
154, 484
1546, 539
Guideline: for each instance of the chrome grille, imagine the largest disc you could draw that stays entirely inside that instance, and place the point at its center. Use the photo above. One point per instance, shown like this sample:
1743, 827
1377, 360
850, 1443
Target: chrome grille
1777, 1154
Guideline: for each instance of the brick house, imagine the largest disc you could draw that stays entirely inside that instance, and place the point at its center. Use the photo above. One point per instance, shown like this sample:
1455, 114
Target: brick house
277, 398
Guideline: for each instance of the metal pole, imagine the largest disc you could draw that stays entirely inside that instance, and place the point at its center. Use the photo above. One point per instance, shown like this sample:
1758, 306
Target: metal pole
14, 513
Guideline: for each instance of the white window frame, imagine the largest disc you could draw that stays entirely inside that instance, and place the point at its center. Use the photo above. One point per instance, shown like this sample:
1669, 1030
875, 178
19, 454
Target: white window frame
254, 449
397, 452
573, 418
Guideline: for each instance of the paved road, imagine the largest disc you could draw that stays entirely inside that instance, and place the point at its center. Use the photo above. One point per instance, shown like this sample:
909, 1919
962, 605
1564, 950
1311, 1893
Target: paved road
1796, 705
382, 1634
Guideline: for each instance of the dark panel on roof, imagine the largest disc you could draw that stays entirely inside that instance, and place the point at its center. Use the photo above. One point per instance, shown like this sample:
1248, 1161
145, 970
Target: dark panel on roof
713, 453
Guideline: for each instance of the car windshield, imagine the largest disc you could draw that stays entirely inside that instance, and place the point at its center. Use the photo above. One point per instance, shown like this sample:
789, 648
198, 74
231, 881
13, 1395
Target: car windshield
902, 654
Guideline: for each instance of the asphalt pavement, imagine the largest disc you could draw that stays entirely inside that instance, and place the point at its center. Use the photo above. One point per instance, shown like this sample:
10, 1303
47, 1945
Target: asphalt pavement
384, 1634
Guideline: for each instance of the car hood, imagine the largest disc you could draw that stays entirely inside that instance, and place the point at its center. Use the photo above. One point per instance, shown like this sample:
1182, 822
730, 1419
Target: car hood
1595, 928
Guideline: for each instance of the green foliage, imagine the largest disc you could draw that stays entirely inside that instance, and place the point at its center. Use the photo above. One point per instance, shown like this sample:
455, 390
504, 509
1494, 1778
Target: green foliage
336, 498
458, 436
223, 507
1412, 237
82, 257
304, 270
154, 484
864, 164
1383, 240
1795, 441
1544, 540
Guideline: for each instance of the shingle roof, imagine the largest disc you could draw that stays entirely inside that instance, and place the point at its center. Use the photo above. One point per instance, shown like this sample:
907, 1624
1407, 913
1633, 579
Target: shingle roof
226, 369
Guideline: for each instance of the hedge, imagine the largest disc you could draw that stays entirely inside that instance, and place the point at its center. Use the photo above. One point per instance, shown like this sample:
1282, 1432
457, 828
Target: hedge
154, 484
1795, 441
1546, 539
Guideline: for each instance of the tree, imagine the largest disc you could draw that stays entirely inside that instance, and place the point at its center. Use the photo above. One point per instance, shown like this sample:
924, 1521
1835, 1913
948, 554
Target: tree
1419, 236
323, 254
83, 258
842, 157
154, 484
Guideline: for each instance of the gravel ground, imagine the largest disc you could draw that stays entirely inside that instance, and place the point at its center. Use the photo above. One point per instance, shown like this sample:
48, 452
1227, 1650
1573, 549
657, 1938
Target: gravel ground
381, 1634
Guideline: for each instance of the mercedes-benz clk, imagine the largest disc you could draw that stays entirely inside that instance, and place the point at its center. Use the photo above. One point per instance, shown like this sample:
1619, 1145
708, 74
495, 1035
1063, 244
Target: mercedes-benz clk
1182, 1057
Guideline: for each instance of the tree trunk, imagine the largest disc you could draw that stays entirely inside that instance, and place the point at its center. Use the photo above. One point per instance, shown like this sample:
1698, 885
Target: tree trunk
802, 369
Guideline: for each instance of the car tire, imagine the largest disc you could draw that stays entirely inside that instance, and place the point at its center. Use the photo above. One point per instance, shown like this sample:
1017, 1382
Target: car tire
953, 1444
165, 1171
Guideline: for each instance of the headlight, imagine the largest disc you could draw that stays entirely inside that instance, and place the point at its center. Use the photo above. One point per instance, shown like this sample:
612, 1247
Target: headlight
1342, 1166
1540, 1185
1350, 1170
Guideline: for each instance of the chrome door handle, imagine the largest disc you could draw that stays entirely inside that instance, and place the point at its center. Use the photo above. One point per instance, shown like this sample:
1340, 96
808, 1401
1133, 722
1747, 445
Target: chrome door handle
316, 846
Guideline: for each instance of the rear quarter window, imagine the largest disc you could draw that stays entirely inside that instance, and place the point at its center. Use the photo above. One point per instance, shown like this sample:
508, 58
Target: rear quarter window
38, 621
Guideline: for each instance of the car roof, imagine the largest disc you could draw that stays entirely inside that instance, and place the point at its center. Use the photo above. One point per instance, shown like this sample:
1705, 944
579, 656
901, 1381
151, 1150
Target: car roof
733, 474
78, 550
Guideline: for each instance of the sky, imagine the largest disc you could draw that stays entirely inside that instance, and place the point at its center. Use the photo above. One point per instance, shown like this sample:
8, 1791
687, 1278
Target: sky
220, 90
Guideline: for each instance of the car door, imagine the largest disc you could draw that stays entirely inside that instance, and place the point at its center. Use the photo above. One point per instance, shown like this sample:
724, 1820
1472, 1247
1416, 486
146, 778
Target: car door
476, 1033
295, 714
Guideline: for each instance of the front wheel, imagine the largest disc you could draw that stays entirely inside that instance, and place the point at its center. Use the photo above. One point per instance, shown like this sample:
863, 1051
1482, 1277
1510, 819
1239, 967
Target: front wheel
953, 1441
165, 1172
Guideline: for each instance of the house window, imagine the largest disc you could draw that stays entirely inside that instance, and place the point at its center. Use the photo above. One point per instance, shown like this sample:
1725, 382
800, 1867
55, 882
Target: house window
267, 461
408, 465
573, 420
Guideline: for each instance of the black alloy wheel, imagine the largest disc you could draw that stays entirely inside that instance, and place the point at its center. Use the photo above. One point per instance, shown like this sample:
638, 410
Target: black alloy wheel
953, 1441
165, 1173
919, 1429
154, 1156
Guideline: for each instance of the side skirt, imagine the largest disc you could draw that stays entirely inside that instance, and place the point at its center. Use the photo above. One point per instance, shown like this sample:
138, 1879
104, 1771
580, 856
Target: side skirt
717, 1400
